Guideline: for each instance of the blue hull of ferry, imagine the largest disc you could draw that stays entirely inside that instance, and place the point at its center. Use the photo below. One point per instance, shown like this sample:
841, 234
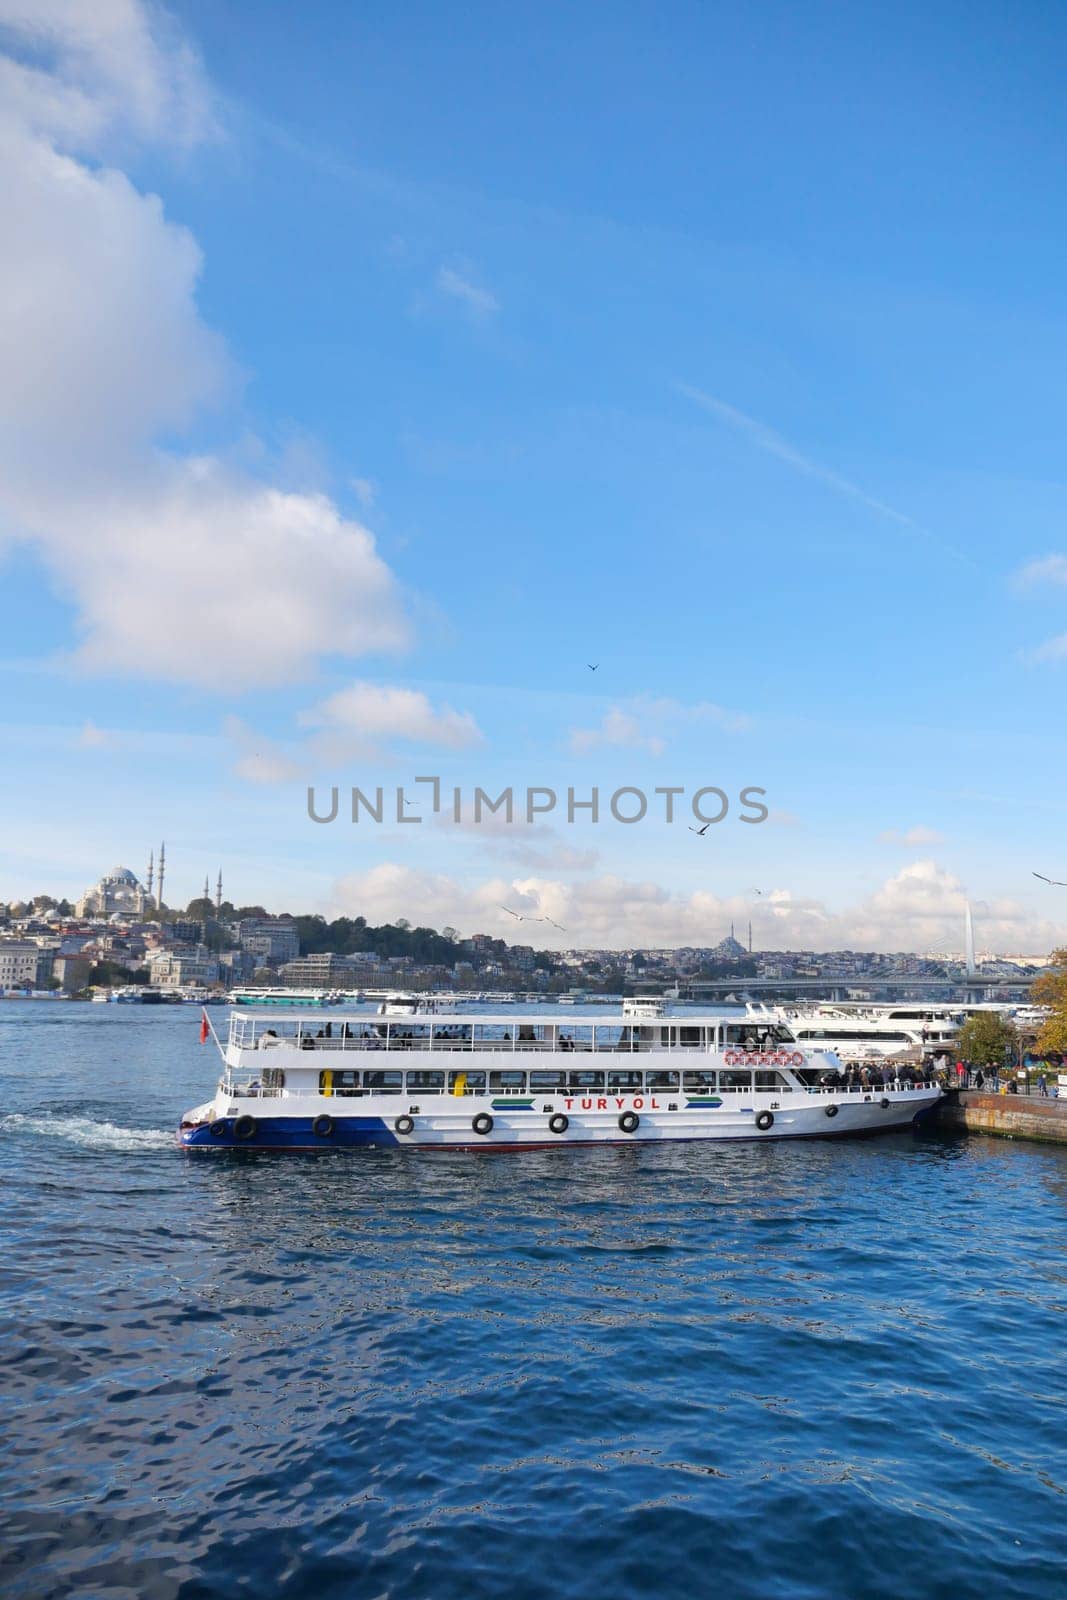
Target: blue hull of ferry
292, 1133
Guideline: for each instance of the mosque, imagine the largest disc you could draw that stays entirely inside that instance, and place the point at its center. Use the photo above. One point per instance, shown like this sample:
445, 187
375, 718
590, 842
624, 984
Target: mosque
118, 893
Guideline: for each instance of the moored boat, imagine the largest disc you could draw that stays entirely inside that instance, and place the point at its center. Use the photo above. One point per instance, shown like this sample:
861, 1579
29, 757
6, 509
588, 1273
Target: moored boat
517, 1081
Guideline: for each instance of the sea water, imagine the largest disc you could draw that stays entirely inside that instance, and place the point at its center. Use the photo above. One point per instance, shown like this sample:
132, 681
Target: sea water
823, 1368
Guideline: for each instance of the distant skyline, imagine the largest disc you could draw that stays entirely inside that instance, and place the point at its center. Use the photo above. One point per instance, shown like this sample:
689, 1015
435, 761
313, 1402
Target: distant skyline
370, 376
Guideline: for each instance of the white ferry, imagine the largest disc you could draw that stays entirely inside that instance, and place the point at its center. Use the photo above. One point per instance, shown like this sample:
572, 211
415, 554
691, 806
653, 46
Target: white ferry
869, 1034
520, 1081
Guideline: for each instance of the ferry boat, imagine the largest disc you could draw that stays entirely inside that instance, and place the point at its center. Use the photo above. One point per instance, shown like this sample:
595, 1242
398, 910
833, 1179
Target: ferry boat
520, 1081
868, 1034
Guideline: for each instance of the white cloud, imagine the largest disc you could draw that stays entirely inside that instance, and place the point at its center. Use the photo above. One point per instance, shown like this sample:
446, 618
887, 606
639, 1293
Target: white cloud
1049, 569
258, 759
647, 723
918, 908
619, 728
355, 720
184, 569
93, 738
478, 302
116, 65
916, 836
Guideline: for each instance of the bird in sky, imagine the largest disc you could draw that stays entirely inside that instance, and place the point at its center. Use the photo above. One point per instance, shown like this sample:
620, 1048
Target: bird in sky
520, 916
555, 924
591, 667
1054, 881
700, 831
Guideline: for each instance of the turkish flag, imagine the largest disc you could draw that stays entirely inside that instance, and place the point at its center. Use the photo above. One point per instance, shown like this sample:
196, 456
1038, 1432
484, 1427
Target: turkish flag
205, 1027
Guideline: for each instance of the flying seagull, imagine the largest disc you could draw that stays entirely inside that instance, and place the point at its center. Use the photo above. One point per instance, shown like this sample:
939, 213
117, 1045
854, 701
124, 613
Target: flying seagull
520, 916
591, 667
700, 831
1054, 881
555, 924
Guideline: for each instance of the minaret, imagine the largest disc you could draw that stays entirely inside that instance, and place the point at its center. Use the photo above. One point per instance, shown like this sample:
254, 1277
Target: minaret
207, 891
968, 942
162, 862
151, 872
218, 892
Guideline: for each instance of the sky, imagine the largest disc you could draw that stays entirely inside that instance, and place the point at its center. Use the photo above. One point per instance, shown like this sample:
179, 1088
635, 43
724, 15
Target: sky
370, 374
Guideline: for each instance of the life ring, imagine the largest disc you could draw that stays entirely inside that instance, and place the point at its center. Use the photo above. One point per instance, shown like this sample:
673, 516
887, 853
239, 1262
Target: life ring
322, 1127
796, 1059
884, 1104
482, 1123
404, 1124
730, 1058
244, 1128
558, 1123
629, 1122
218, 1130
765, 1120
831, 1111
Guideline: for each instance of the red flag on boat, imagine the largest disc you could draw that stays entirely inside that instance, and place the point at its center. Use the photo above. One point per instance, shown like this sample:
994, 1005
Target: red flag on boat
205, 1026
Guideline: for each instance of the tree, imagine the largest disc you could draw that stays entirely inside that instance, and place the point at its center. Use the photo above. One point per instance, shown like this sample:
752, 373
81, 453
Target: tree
1051, 990
986, 1039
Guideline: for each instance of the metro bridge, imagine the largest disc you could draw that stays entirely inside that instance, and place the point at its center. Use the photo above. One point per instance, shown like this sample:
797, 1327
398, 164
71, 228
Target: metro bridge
967, 990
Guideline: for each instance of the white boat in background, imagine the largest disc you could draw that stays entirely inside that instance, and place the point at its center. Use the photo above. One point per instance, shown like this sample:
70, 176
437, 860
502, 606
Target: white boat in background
525, 1079
870, 1033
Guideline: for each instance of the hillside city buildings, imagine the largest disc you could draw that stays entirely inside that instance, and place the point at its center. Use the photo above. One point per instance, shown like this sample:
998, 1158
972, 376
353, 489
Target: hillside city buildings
118, 932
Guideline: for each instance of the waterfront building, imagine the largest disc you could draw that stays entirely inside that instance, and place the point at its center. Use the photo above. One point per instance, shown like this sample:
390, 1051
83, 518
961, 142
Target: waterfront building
23, 962
174, 969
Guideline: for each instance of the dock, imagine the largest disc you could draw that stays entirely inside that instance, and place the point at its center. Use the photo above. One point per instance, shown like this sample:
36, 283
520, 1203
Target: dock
1006, 1116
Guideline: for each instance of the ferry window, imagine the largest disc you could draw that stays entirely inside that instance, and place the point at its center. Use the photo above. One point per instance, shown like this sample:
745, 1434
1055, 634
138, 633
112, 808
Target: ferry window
587, 1080
514, 1081
273, 1078
625, 1082
735, 1080
698, 1080
345, 1082
771, 1080
383, 1082
426, 1080
544, 1081
662, 1080
466, 1083
687, 1038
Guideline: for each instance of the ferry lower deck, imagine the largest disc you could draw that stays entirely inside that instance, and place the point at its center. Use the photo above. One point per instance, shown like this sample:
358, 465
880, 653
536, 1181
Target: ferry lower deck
520, 1082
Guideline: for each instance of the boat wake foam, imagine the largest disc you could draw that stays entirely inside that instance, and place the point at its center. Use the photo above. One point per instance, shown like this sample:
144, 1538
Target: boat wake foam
87, 1132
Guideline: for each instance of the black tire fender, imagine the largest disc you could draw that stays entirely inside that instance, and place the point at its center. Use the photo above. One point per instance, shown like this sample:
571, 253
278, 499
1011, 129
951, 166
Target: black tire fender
765, 1120
885, 1104
219, 1129
404, 1125
482, 1123
831, 1111
559, 1123
244, 1128
322, 1127
629, 1122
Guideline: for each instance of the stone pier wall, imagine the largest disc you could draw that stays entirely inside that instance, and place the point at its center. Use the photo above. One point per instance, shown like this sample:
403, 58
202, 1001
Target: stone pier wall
1012, 1116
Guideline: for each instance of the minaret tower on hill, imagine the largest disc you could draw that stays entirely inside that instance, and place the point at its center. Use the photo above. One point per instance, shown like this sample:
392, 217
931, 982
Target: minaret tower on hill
151, 872
162, 863
218, 892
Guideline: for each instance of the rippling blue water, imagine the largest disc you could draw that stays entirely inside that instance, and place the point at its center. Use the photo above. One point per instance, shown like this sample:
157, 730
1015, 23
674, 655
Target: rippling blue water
819, 1369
